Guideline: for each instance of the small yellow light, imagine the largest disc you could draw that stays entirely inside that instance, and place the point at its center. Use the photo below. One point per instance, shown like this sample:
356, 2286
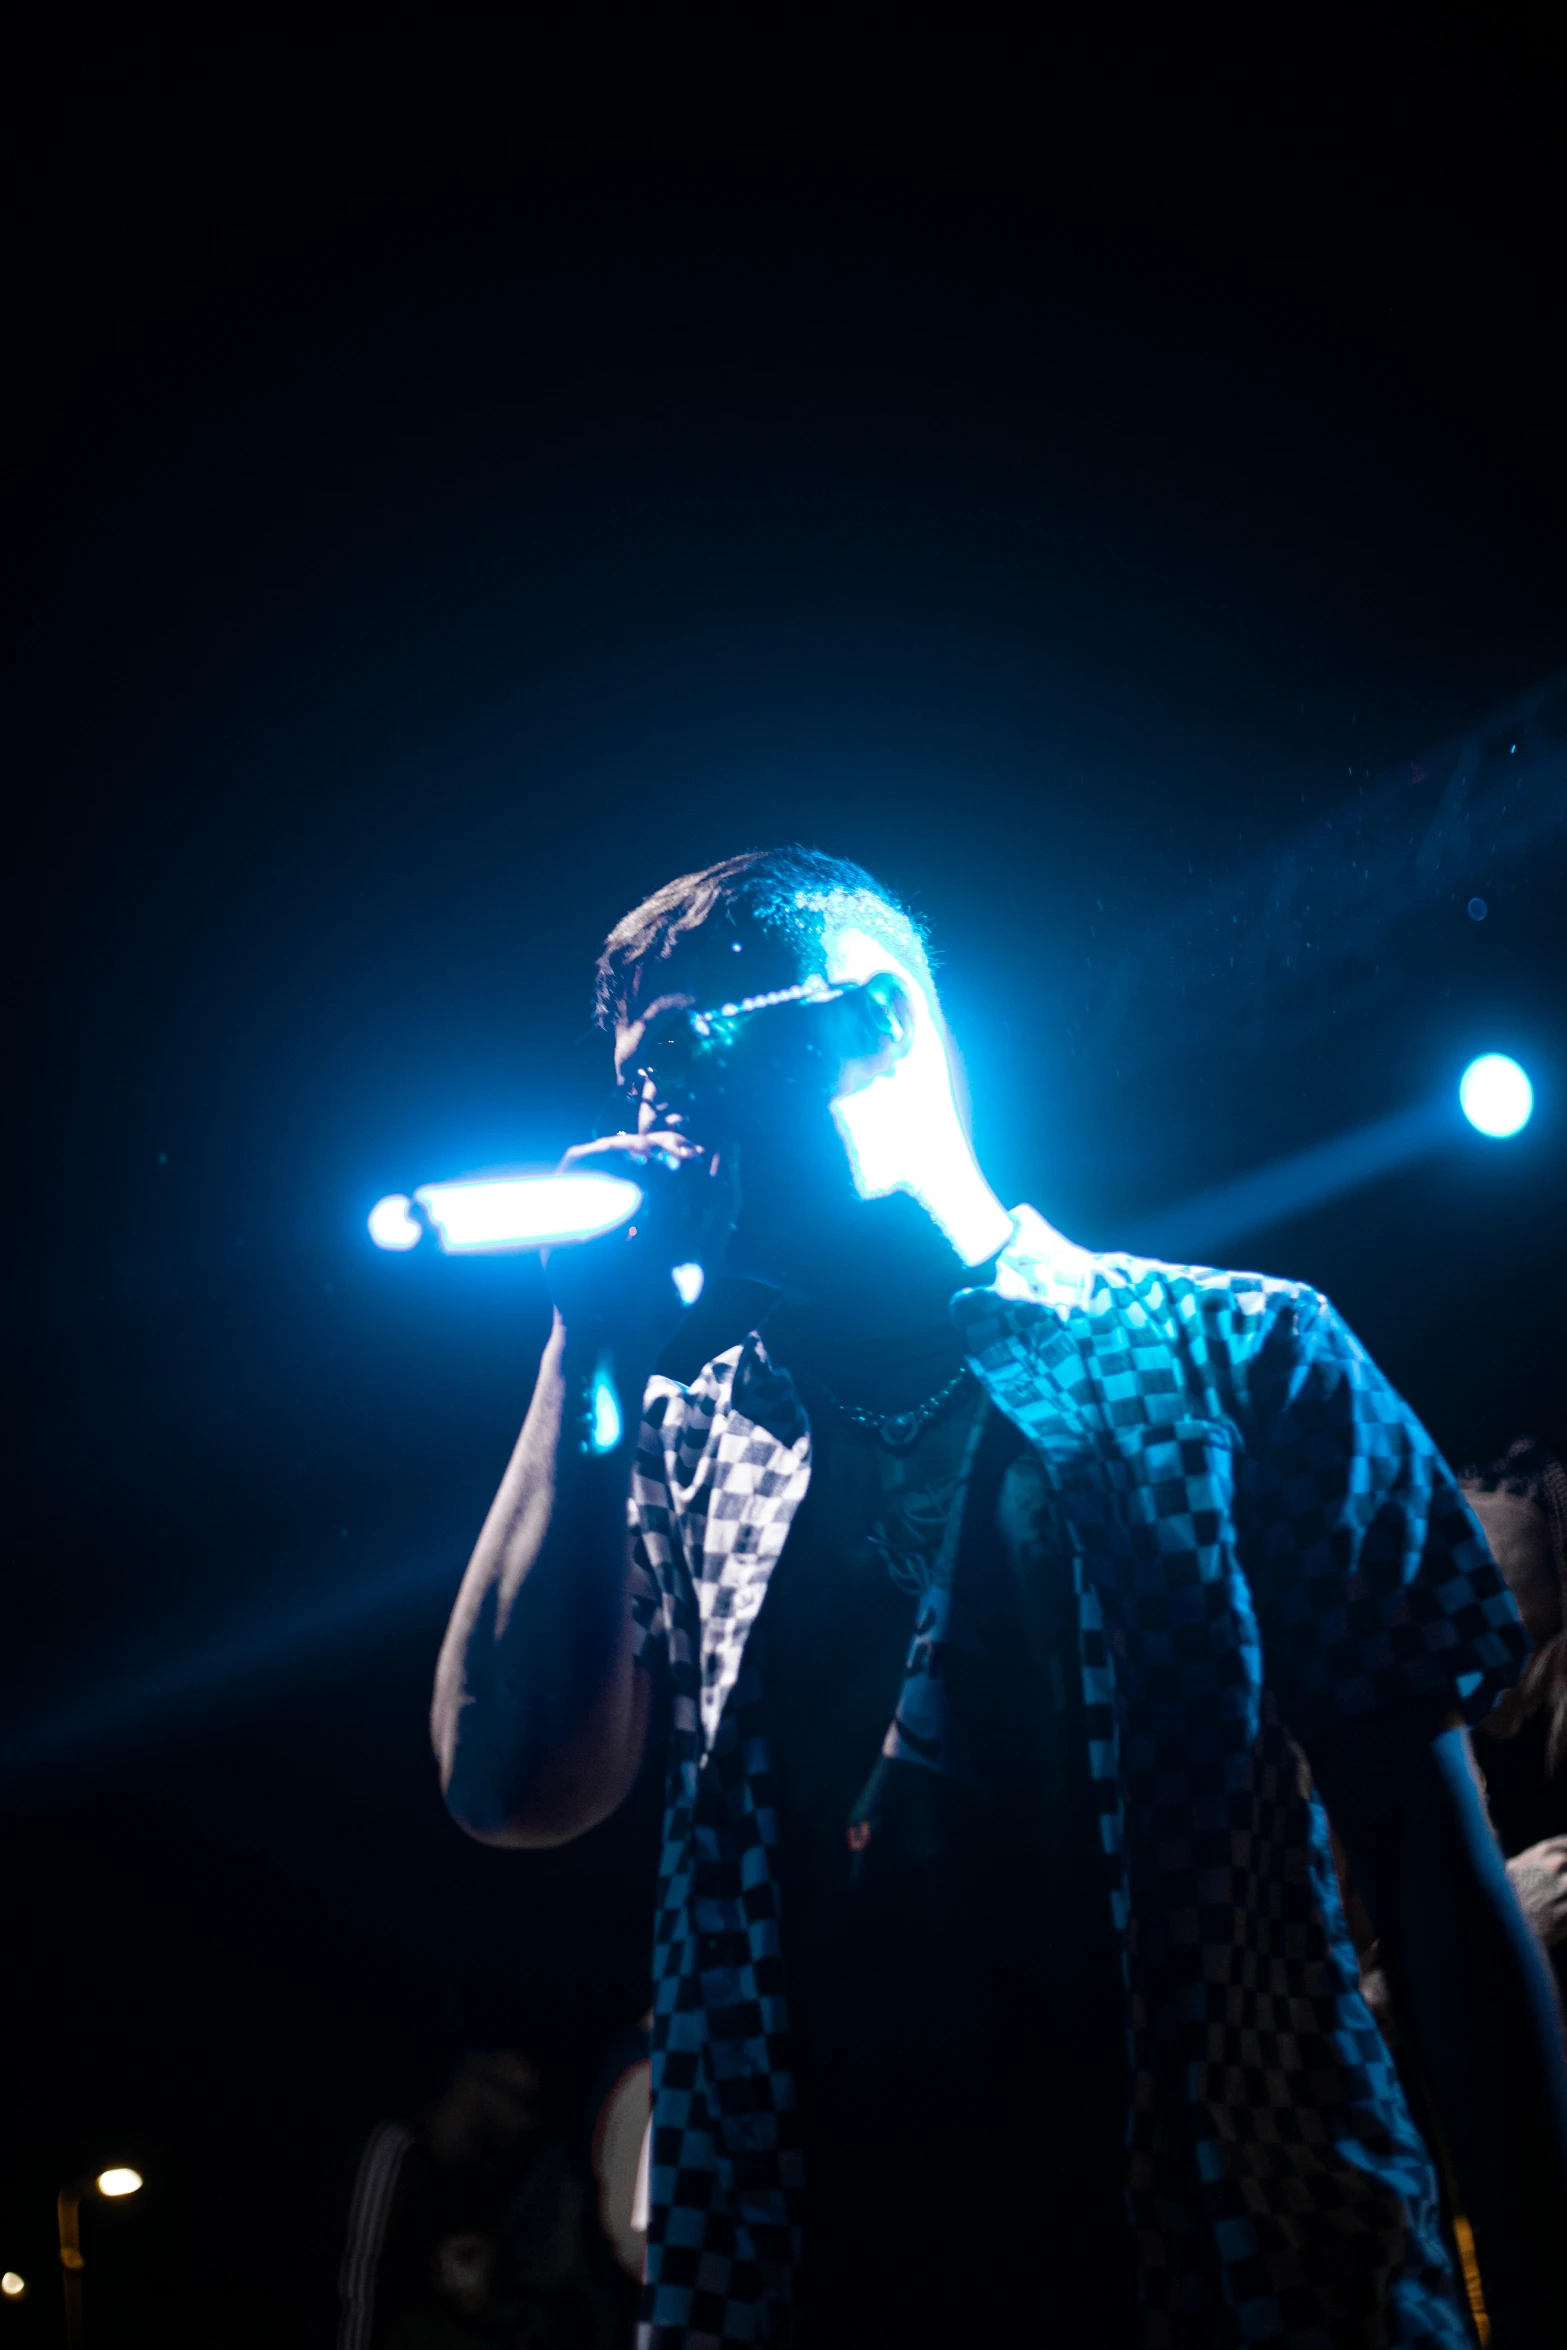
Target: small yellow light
13, 2286
118, 2182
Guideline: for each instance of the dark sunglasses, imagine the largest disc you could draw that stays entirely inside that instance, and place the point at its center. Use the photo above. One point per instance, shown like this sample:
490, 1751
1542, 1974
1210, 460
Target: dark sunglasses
685, 1052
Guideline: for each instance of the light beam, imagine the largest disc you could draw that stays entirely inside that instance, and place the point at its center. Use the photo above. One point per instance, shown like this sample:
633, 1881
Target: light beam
1496, 1097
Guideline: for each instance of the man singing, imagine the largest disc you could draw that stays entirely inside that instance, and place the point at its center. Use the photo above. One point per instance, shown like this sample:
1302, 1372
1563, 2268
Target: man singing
994, 1617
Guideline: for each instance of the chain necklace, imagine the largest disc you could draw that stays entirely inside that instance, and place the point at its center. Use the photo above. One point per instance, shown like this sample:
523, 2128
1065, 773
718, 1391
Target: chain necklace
897, 1430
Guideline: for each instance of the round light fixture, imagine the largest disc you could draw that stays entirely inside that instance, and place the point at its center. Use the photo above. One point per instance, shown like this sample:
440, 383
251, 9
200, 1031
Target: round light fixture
1496, 1096
119, 2181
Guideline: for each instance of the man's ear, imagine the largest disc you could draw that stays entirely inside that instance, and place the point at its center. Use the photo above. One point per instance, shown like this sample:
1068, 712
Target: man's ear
887, 1016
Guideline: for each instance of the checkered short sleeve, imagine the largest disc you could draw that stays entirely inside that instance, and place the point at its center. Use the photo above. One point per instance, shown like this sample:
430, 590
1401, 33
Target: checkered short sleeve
1373, 1581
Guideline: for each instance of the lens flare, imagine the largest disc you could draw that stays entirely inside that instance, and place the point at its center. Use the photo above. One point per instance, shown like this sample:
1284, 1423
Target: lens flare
1496, 1096
689, 1281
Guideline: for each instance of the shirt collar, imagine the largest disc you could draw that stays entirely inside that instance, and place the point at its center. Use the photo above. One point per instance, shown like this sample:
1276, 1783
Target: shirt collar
1040, 1266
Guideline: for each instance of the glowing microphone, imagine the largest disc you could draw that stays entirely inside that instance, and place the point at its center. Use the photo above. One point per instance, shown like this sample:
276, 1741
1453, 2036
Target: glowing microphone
499, 1213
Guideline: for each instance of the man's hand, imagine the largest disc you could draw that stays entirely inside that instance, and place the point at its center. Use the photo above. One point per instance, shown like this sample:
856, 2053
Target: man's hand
540, 1719
617, 1290
1540, 1881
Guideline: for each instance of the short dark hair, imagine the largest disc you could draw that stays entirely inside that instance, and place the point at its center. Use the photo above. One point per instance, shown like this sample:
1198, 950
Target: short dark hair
787, 891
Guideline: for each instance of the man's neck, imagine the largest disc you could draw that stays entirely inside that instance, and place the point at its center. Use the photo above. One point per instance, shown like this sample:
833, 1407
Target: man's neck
857, 1313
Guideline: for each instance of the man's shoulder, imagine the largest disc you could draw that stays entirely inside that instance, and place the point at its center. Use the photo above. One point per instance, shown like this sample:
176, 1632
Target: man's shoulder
1247, 1304
1109, 1291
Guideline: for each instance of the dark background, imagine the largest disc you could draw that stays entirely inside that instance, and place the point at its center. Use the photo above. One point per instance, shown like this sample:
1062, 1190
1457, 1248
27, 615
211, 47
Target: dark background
455, 487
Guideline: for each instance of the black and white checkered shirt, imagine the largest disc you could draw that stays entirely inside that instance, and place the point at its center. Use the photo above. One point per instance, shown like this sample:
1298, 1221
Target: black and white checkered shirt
1263, 1540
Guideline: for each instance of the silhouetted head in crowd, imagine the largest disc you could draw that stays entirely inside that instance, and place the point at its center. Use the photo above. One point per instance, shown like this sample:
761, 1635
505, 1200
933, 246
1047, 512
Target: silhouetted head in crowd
1521, 1501
490, 2108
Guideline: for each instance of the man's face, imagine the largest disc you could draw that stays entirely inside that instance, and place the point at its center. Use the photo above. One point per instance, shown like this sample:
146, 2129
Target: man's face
764, 1091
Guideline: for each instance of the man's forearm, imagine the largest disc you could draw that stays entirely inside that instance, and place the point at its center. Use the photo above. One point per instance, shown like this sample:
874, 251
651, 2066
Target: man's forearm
1479, 1998
538, 1714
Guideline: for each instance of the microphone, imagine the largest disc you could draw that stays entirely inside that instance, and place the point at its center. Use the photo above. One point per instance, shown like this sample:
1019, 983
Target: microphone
499, 1214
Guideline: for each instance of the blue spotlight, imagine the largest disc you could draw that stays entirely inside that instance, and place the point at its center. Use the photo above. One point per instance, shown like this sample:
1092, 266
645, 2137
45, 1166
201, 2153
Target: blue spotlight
392, 1225
688, 1279
1496, 1096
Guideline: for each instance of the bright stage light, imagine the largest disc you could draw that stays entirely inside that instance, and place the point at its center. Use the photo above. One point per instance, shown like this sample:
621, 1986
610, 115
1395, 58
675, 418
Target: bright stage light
391, 1225
1496, 1095
14, 2287
527, 1211
119, 2181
